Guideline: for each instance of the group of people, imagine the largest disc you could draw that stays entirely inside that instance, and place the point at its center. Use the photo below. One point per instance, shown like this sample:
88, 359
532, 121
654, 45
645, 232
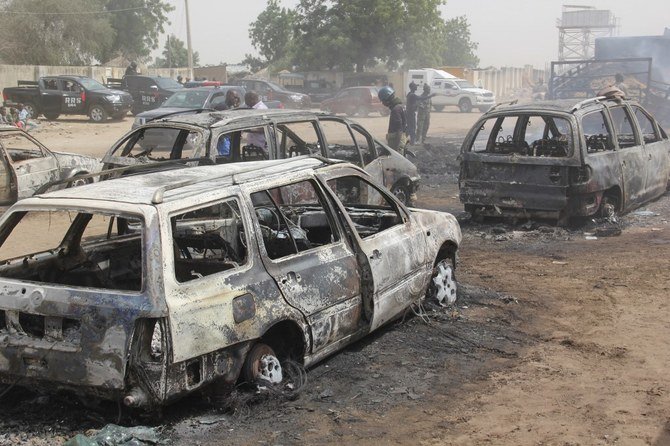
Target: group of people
17, 116
254, 137
408, 123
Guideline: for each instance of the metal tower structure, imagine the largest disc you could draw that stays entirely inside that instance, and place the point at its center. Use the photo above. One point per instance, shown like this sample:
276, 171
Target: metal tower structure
578, 28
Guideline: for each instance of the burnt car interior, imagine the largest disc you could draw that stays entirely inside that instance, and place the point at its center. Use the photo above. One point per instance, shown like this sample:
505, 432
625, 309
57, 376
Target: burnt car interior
597, 133
293, 218
73, 248
19, 147
208, 240
297, 138
160, 144
525, 135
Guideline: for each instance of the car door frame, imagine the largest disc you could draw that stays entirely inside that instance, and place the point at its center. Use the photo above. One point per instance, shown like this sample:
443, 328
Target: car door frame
657, 154
338, 319
45, 168
394, 249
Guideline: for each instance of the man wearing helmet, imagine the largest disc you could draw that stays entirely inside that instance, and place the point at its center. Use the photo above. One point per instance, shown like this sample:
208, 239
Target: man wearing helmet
396, 137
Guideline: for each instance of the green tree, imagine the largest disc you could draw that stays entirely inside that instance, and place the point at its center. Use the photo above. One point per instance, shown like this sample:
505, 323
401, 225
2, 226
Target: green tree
175, 54
137, 26
459, 49
51, 32
272, 33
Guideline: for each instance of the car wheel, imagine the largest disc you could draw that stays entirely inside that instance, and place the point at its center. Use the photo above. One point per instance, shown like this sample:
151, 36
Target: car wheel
77, 180
351, 111
484, 109
262, 364
119, 116
465, 106
134, 111
97, 113
442, 286
362, 111
402, 194
609, 206
31, 109
438, 108
51, 116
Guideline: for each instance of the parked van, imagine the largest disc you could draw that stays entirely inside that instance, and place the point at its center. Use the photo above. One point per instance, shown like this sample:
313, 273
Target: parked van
559, 160
452, 91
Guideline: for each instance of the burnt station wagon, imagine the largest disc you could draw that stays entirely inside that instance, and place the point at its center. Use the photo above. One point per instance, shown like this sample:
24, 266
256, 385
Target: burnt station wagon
251, 135
147, 287
559, 160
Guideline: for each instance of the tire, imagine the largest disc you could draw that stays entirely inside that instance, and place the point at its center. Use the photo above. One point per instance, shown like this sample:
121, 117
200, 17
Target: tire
484, 109
465, 106
31, 109
262, 364
119, 116
351, 111
134, 111
97, 113
438, 108
442, 286
51, 116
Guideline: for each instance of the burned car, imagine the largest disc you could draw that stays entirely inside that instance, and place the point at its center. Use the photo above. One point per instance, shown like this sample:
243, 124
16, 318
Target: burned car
26, 165
250, 135
559, 160
148, 287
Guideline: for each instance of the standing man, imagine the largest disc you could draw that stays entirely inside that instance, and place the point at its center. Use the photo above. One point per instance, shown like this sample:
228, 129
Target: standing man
423, 115
397, 131
131, 69
412, 106
619, 83
256, 137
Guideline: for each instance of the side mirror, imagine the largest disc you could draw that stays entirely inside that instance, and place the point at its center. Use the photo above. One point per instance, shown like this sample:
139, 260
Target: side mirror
154, 87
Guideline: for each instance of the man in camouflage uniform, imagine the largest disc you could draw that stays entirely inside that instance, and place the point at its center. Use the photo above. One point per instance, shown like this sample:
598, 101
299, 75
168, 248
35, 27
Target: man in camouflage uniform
423, 115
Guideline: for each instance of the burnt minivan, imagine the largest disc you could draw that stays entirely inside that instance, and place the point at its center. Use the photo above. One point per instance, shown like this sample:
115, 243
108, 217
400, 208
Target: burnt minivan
558, 160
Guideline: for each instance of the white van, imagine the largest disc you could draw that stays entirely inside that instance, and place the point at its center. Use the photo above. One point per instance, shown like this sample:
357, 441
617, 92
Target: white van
452, 91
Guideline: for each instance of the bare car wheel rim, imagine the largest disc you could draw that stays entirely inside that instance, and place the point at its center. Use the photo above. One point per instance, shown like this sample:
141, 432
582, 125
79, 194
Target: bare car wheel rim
96, 114
400, 194
269, 369
444, 283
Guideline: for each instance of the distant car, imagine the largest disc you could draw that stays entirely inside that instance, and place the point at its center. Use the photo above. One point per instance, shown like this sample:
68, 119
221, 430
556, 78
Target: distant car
147, 288
194, 84
148, 92
558, 159
354, 101
233, 136
26, 165
269, 91
189, 99
317, 90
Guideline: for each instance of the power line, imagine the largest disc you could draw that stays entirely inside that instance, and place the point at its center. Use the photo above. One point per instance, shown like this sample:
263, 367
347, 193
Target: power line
110, 11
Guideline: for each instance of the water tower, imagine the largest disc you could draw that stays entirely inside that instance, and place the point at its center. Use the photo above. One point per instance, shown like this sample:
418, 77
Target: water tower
578, 28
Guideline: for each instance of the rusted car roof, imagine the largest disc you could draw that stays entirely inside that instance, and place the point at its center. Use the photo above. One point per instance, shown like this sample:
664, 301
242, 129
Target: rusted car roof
221, 118
148, 188
561, 105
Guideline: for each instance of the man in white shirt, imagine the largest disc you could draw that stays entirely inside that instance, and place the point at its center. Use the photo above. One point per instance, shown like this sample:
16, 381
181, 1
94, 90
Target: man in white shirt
255, 137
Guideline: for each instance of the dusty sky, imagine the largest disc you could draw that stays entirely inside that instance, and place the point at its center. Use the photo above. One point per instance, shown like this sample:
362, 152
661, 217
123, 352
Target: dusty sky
509, 32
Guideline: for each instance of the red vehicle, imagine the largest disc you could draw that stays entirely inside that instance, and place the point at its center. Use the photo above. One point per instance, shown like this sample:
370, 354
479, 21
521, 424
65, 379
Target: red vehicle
359, 101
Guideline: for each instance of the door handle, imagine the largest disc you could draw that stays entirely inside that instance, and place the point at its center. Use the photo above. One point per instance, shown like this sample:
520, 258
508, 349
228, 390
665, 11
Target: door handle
376, 254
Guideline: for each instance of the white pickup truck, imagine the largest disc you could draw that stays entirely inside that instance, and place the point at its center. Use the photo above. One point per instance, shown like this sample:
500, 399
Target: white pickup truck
452, 91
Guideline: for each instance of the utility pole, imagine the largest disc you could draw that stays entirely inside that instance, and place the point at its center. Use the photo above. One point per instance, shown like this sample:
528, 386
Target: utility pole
188, 42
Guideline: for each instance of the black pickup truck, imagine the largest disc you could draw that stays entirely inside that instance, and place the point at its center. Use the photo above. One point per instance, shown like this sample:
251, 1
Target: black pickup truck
148, 92
53, 96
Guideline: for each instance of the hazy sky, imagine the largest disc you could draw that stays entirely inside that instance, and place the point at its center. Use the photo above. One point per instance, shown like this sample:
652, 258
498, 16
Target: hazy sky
509, 32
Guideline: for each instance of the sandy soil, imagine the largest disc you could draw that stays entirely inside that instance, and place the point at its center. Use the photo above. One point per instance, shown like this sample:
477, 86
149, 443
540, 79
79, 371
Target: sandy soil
556, 339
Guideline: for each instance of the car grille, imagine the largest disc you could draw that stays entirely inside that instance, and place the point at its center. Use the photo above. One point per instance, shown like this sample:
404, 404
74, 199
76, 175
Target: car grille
488, 95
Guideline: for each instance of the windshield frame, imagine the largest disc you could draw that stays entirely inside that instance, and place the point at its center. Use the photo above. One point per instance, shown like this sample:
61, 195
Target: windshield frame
167, 83
90, 84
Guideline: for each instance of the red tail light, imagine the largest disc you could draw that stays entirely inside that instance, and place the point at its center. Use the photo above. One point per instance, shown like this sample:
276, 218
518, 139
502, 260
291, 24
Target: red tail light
83, 96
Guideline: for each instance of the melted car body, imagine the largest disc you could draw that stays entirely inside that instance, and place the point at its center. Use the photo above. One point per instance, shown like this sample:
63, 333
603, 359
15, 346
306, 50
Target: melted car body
560, 160
145, 288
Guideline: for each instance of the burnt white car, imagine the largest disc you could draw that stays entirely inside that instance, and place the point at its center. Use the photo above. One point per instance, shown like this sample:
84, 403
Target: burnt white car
250, 135
145, 288
26, 165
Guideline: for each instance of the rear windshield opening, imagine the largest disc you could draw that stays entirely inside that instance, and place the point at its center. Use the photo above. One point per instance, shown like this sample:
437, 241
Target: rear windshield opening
73, 248
525, 135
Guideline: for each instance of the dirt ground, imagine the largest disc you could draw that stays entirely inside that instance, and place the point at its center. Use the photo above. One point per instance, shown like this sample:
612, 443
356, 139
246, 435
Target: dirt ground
558, 337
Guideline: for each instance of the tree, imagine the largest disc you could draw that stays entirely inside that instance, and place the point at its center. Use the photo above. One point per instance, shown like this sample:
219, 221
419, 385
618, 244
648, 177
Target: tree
138, 25
78, 32
175, 54
459, 49
355, 34
50, 32
272, 33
